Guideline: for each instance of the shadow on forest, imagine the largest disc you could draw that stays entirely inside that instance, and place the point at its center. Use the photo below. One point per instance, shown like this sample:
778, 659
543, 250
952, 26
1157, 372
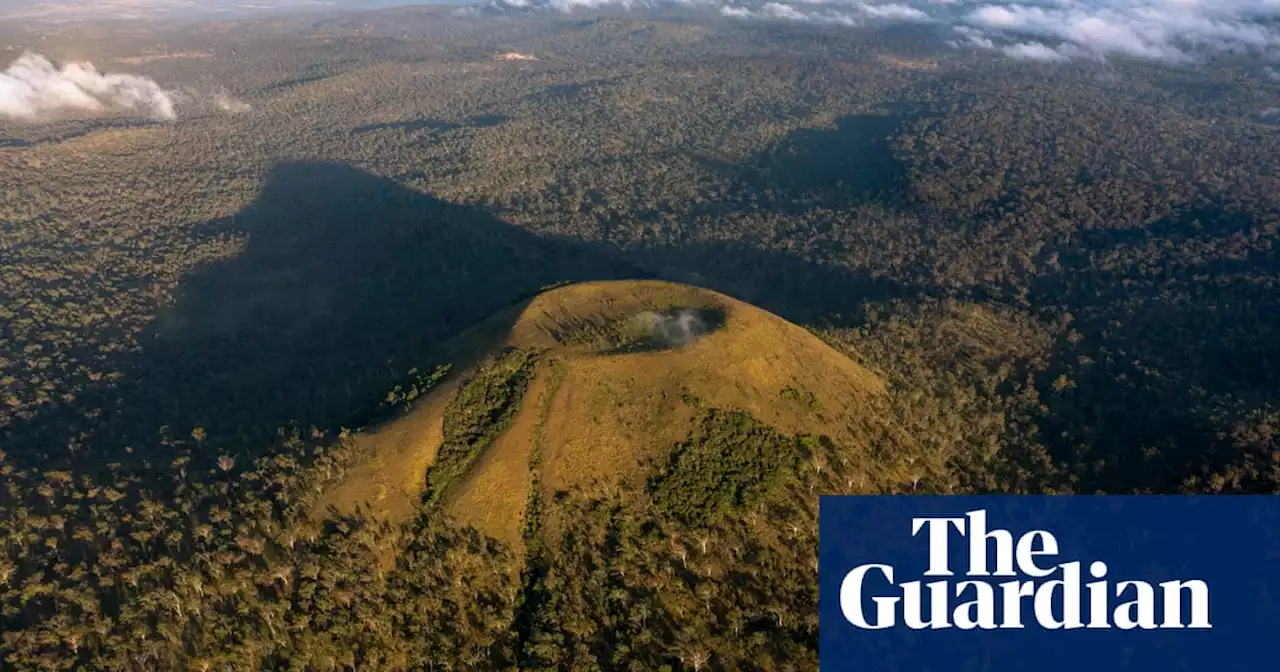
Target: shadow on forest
853, 162
348, 281
796, 289
480, 121
1161, 344
571, 92
1225, 338
297, 81
409, 126
69, 129
835, 168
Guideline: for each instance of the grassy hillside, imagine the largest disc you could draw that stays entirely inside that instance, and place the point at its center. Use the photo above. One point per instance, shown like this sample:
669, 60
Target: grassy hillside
1064, 274
669, 432
592, 389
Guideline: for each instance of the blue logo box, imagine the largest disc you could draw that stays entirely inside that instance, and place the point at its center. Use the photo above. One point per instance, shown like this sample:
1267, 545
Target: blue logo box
1030, 583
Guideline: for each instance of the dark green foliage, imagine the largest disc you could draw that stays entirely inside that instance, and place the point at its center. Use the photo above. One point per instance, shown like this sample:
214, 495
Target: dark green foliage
479, 412
625, 588
221, 574
804, 398
730, 463
1069, 283
402, 396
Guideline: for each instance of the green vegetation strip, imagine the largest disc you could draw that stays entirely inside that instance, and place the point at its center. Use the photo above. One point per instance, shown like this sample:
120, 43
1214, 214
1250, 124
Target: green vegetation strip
729, 463
534, 595
477, 415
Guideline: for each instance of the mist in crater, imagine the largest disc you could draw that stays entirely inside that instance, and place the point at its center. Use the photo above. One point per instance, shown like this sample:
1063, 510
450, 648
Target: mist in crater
674, 327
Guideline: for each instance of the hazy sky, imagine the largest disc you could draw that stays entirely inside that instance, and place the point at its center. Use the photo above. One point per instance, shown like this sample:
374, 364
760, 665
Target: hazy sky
1171, 31
133, 9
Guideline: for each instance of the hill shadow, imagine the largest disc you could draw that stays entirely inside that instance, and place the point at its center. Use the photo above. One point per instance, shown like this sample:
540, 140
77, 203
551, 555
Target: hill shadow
409, 126
796, 289
297, 81
348, 280
838, 167
479, 121
1161, 347
347, 283
853, 161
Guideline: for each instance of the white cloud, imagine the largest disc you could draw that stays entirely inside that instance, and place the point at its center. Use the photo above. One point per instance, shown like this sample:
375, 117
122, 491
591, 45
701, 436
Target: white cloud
568, 6
995, 17
785, 12
781, 12
33, 88
1033, 51
64, 10
229, 104
840, 12
1171, 31
1159, 30
892, 11
1100, 31
970, 37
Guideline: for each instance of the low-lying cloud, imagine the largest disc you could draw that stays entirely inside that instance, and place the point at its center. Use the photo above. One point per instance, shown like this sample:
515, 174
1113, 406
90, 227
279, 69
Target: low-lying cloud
142, 10
229, 104
837, 13
571, 5
1170, 31
34, 89
1157, 30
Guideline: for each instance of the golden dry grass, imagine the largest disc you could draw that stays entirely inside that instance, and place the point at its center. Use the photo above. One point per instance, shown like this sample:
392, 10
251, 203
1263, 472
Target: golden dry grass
611, 414
388, 480
907, 63
493, 495
116, 140
614, 412
147, 58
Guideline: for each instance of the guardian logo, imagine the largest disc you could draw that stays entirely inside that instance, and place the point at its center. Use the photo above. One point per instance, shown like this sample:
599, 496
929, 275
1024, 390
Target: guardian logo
1012, 583
1053, 593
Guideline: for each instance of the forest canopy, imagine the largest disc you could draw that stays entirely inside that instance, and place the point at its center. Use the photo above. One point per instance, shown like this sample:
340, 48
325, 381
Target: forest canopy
1057, 275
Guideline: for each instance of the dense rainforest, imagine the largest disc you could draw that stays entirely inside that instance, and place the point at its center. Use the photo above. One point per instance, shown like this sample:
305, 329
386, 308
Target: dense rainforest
1066, 274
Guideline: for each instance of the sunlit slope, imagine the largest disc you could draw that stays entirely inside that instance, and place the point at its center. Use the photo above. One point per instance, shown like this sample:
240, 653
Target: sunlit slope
617, 374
